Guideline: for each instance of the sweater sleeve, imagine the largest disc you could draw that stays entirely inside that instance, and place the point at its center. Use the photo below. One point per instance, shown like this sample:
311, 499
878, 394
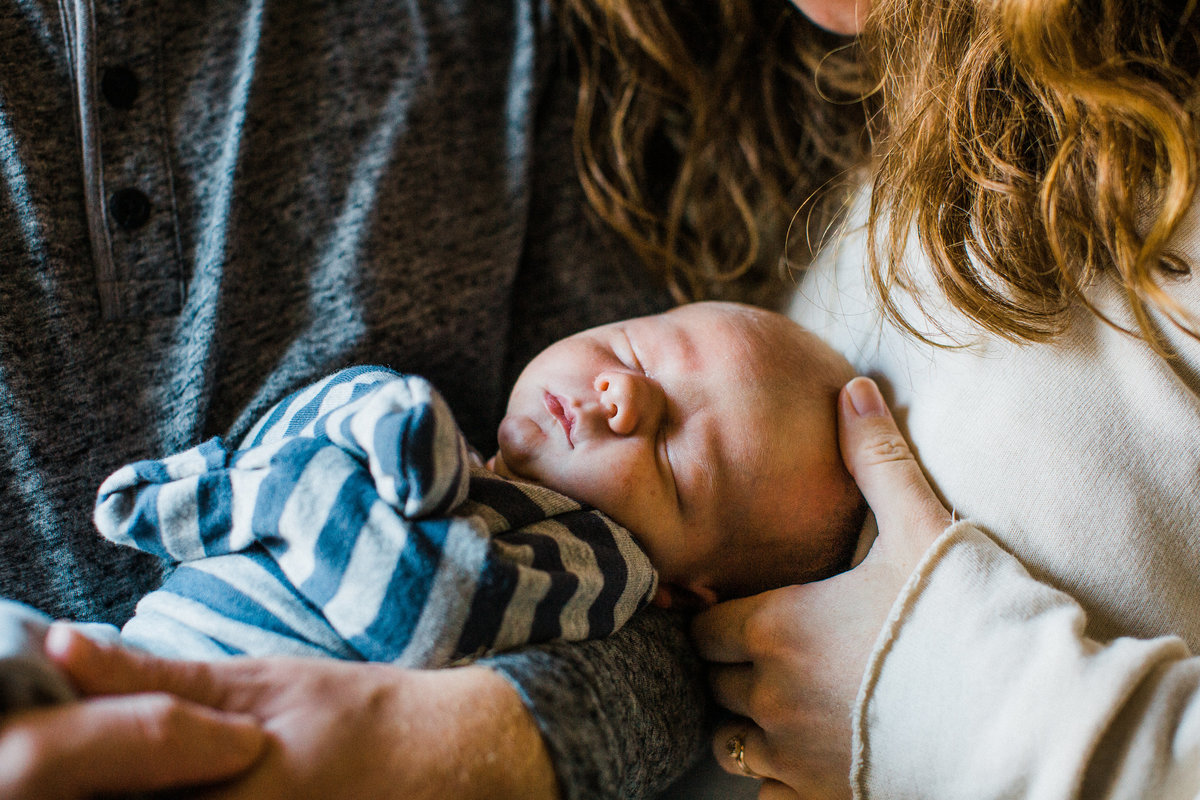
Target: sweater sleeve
407, 435
983, 685
206, 501
623, 716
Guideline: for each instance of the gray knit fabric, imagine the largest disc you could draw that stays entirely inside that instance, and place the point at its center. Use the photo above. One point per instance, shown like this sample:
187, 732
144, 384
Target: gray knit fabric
283, 189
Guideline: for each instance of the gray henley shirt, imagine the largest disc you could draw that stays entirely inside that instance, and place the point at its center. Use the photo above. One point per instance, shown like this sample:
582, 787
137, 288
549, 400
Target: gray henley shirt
207, 204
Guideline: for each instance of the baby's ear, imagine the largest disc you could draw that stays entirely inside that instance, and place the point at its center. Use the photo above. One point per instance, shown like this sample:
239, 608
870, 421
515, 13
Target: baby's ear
690, 599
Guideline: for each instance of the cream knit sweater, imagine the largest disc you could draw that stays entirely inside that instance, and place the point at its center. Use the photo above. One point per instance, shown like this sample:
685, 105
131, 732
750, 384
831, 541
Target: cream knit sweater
1044, 648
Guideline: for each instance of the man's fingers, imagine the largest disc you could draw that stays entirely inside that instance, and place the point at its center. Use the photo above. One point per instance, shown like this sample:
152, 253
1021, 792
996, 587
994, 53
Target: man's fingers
156, 740
122, 744
103, 669
882, 464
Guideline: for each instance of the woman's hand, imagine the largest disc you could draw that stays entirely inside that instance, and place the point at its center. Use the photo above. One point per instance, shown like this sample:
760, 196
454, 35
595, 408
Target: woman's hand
791, 660
341, 729
112, 745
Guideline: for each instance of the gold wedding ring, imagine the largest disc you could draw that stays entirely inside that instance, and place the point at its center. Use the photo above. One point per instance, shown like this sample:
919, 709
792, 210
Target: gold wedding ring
736, 747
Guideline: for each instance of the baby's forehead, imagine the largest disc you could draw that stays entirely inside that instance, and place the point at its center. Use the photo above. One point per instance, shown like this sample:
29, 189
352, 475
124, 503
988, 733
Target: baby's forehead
755, 369
755, 331
705, 334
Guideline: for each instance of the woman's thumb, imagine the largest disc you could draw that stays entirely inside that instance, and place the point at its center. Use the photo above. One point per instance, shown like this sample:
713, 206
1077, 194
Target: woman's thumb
883, 466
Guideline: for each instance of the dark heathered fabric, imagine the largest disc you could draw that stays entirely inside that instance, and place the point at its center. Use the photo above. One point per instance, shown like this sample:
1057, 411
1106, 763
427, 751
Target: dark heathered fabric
329, 183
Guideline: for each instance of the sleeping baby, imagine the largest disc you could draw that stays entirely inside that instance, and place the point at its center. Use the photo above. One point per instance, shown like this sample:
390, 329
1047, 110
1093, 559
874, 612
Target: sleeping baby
679, 459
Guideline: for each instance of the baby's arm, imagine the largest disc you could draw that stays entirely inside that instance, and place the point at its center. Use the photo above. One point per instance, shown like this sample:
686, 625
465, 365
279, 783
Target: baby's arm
307, 514
341, 503
553, 570
208, 501
413, 447
398, 424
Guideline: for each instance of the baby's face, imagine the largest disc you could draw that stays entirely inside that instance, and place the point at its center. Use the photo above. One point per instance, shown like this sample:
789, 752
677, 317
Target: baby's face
659, 422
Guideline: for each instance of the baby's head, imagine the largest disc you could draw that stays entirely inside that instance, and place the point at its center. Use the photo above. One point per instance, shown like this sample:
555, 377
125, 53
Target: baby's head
710, 432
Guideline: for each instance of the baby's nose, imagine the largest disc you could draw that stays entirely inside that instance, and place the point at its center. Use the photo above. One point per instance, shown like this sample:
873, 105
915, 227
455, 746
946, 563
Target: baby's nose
629, 400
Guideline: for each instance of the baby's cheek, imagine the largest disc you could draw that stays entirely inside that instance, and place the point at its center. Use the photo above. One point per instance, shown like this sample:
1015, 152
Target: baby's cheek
636, 503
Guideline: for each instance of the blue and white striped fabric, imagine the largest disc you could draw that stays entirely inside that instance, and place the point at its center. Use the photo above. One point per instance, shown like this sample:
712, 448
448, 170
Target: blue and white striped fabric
353, 523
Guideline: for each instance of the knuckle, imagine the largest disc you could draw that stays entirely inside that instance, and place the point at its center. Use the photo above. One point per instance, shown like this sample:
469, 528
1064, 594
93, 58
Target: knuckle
761, 633
887, 448
159, 716
770, 631
764, 705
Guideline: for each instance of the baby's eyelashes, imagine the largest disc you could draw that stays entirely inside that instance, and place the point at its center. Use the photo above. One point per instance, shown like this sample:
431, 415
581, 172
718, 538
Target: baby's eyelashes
635, 362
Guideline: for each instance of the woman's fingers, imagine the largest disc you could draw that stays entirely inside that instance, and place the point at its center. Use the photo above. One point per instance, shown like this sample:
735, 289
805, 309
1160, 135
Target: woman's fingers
883, 466
122, 744
731, 687
719, 632
774, 790
742, 737
790, 661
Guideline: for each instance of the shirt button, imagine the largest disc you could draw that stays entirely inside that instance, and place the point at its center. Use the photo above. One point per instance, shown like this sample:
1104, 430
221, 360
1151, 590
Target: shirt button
119, 85
130, 208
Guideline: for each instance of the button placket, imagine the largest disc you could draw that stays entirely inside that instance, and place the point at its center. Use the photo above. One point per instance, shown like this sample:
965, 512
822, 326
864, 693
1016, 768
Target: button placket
120, 86
140, 213
129, 208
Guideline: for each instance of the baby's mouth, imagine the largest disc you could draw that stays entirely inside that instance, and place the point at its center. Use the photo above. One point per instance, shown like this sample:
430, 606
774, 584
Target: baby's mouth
559, 411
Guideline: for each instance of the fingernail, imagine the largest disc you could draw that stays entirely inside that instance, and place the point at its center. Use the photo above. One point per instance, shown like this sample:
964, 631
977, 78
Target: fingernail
865, 397
58, 640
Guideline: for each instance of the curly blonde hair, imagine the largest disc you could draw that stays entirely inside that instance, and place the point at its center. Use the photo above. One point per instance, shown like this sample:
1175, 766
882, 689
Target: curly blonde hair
700, 129
1031, 145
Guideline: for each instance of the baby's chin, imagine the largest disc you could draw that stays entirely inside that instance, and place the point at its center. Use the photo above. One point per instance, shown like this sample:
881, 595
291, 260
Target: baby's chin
518, 437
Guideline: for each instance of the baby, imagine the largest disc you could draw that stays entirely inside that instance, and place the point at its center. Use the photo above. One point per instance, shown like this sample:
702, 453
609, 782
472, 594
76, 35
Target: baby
682, 459
710, 432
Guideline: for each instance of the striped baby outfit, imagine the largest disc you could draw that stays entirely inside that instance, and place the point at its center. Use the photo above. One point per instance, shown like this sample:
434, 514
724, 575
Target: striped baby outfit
354, 522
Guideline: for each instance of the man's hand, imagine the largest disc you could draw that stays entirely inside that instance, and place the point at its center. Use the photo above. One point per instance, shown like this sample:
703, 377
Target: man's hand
111, 745
345, 729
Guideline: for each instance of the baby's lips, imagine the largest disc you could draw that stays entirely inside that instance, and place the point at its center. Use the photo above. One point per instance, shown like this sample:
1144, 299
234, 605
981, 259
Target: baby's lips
561, 412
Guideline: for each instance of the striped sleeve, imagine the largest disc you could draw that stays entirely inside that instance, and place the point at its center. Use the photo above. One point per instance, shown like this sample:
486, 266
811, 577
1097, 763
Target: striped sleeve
298, 413
323, 488
399, 424
193, 504
174, 508
348, 504
556, 570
